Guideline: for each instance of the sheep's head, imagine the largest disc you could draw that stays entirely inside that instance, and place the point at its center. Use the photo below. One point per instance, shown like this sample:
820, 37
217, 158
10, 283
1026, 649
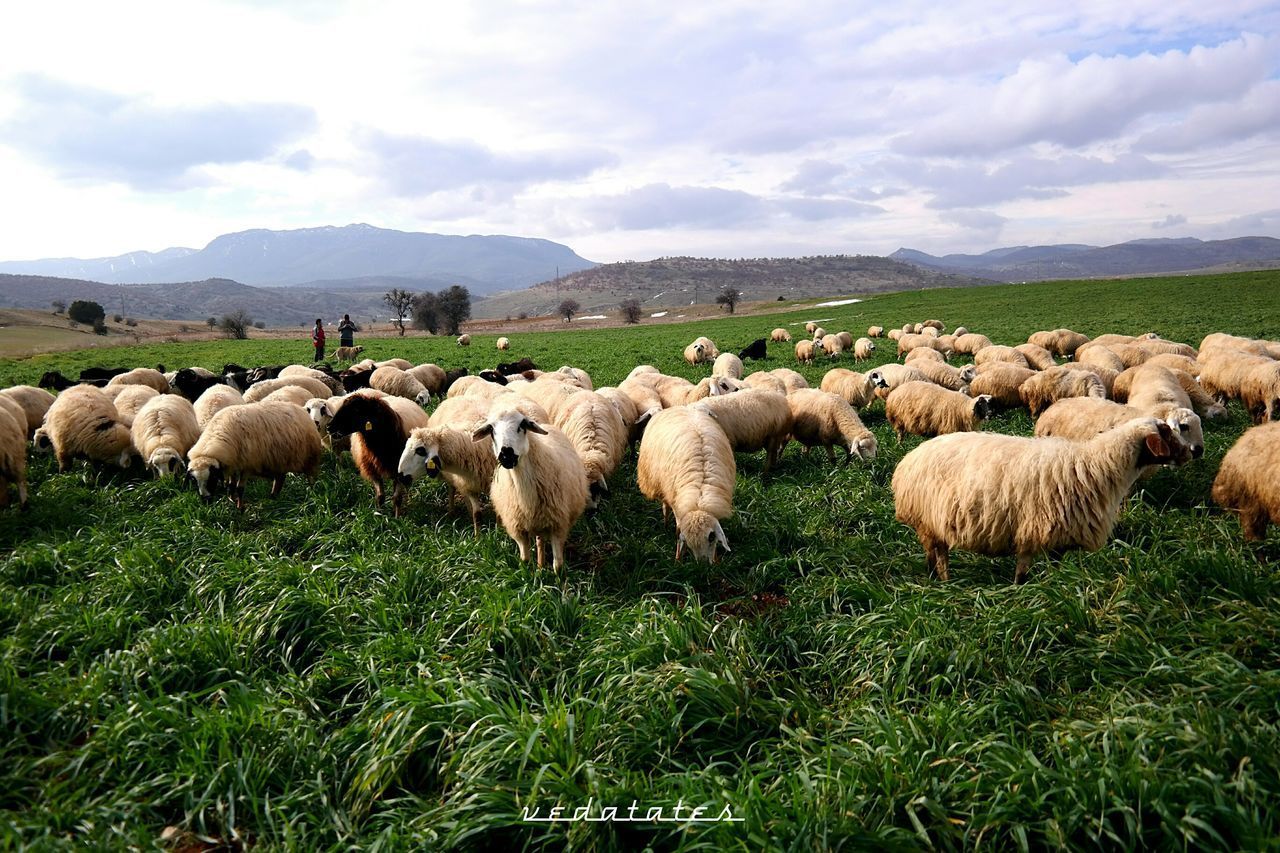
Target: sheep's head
41, 439
509, 432
877, 379
424, 398
421, 456
968, 373
701, 532
982, 406
864, 447
165, 462
1186, 426
1160, 446
206, 473
357, 414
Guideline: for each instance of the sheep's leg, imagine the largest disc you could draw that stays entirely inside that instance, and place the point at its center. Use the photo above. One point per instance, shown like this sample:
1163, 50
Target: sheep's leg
522, 540
541, 551
399, 496
4, 491
1253, 523
664, 513
938, 558
377, 493
475, 514
831, 455
64, 462
679, 547
1020, 573
277, 483
557, 553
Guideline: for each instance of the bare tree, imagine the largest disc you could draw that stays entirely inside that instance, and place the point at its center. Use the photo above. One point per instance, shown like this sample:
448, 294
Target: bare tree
729, 297
212, 322
567, 309
401, 303
236, 324
630, 310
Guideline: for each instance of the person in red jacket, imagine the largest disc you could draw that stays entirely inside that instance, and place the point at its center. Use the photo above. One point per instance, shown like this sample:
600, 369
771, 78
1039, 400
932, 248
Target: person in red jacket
317, 338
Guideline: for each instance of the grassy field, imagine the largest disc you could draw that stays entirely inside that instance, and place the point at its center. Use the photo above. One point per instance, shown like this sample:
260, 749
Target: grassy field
313, 674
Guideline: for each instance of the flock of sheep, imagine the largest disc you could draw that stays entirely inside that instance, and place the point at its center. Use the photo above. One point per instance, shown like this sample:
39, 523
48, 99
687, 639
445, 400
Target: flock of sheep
543, 446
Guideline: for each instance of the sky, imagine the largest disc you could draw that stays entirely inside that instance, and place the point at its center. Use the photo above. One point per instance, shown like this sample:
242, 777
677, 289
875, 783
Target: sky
630, 131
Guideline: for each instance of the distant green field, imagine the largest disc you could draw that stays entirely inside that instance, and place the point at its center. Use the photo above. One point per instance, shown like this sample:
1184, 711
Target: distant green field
313, 674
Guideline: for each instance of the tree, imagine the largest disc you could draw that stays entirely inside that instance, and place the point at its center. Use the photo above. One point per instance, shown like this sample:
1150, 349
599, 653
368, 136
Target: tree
211, 323
455, 307
567, 309
729, 297
58, 306
86, 311
99, 326
236, 324
630, 310
401, 303
426, 312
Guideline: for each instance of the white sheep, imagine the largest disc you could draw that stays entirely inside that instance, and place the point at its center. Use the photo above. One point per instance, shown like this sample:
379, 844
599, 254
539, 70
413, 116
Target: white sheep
765, 380
923, 408
970, 343
295, 370
727, 364
809, 327
951, 378
1248, 481
633, 418
163, 431
397, 363
84, 422
539, 487
780, 336
1081, 418
450, 452
1002, 382
1000, 352
791, 380
805, 351
999, 494
924, 354
33, 401
832, 345
822, 419
215, 399
709, 346
598, 435
1048, 386
753, 420
431, 376
254, 440
819, 333
686, 463
129, 400
576, 375
398, 383
863, 349
13, 455
875, 331
894, 335
259, 391
1037, 357
504, 343
695, 353
141, 376
464, 340
890, 376
856, 389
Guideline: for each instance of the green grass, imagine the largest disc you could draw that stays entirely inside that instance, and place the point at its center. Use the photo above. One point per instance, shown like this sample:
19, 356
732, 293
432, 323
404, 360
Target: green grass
312, 674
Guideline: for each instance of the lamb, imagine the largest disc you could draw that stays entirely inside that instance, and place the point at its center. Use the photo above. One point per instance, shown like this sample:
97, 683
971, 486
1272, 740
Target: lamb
875, 331
863, 349
1006, 494
464, 340
856, 389
503, 343
998, 352
686, 462
822, 420
34, 402
596, 431
451, 453
757, 350
254, 440
1056, 383
950, 378
695, 353
215, 400
727, 364
780, 336
1001, 382
831, 345
540, 487
347, 353
890, 376
396, 382
923, 408
162, 433
1248, 481
142, 376
970, 343
191, 382
805, 351
129, 400
1081, 418
1037, 357
259, 390
13, 454
708, 346
753, 420
1060, 342
379, 428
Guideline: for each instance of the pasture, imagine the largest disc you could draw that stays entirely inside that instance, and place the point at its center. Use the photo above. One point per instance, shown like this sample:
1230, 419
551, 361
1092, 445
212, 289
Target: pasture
310, 673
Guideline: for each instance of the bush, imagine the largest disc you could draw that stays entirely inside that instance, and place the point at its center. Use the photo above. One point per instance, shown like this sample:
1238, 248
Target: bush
630, 310
116, 318
86, 311
99, 327
523, 315
129, 321
260, 324
236, 324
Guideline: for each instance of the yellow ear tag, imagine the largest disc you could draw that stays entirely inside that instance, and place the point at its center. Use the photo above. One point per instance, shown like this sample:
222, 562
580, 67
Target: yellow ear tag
431, 465
368, 426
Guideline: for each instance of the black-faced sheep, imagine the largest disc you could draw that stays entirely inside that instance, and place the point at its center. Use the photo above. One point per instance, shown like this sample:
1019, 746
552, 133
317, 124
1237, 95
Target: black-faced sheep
379, 428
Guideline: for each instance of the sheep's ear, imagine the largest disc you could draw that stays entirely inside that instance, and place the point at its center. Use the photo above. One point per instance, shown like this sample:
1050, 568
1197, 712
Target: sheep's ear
1158, 444
719, 536
645, 416
484, 432
531, 426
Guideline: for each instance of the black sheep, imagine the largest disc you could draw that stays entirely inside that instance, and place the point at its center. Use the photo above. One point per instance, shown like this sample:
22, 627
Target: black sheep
191, 384
758, 350
513, 367
452, 376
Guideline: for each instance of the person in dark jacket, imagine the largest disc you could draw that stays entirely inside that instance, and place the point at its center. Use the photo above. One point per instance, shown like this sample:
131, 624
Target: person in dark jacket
317, 338
346, 332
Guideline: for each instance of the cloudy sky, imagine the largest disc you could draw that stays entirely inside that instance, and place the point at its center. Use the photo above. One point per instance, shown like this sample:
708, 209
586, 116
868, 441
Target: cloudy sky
635, 130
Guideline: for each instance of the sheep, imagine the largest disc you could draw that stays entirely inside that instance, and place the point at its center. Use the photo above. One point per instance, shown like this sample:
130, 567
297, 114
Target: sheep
686, 463
1005, 494
1218, 343
831, 345
923, 408
695, 353
934, 324
521, 365
396, 382
573, 374
215, 400
708, 346
633, 418
875, 331
431, 376
550, 395
924, 354
951, 378
464, 340
462, 413
1056, 383
894, 335
1174, 361
767, 381
809, 327
643, 394
930, 332
1060, 342
1151, 385
805, 351
790, 379
1223, 374
450, 452
856, 389
890, 376
757, 350
347, 353
823, 419
819, 333
398, 363
1106, 374
1204, 405
1130, 355
1159, 346
1001, 381
1260, 392
910, 329
34, 402
598, 435
846, 340
959, 330
907, 343
540, 487
503, 343
753, 420
142, 376
475, 386
259, 390
129, 400
1248, 481
379, 428
254, 440
13, 453
863, 349
330, 380
162, 433
780, 336
1100, 356
727, 364
1037, 357
999, 352
945, 343
1081, 418
294, 394
355, 377
970, 343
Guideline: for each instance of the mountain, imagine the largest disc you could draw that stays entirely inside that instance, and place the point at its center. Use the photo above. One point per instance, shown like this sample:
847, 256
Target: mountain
1136, 257
334, 255
677, 282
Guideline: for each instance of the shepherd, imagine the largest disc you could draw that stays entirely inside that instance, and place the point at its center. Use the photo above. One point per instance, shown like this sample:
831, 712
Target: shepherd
346, 332
317, 338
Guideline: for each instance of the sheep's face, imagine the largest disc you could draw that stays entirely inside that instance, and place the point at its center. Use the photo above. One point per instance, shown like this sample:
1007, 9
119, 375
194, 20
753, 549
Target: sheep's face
510, 436
321, 413
701, 534
1162, 447
421, 456
423, 399
207, 475
982, 407
43, 443
877, 379
1186, 426
165, 462
864, 448
968, 373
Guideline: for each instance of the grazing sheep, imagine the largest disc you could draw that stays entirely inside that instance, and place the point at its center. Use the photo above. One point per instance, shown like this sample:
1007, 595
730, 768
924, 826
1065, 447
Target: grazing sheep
924, 354
355, 377
1150, 385
431, 376
549, 394
1173, 361
504, 343
923, 408
757, 350
215, 400
934, 324
1060, 342
753, 420
1081, 418
831, 345
805, 351
1159, 346
575, 375
539, 487
633, 418
907, 343
260, 390
1106, 374
1100, 356
790, 379
13, 453
1248, 481
959, 330
522, 365
894, 335
695, 353
930, 332
142, 376
1007, 494
765, 380
951, 378
1223, 374
1038, 358
162, 433
379, 428
294, 394
875, 331
347, 353
129, 400
1129, 355
822, 419
463, 413
1260, 392
890, 376
780, 336
475, 386
450, 452
254, 440
191, 382
1213, 345
686, 462
34, 402
464, 340
863, 348
970, 343
398, 363
598, 435
999, 352
856, 389
846, 340
709, 346
911, 328
727, 364
330, 380
396, 382
1001, 382
819, 333
946, 343
1204, 405
1057, 383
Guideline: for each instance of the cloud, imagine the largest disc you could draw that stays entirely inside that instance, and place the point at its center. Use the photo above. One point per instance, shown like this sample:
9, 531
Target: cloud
814, 177
89, 134
1256, 113
818, 209
418, 165
1171, 221
987, 224
665, 206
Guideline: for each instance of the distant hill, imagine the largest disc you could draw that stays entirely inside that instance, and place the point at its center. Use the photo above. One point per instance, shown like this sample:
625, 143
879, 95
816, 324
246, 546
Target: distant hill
336, 256
681, 281
1136, 257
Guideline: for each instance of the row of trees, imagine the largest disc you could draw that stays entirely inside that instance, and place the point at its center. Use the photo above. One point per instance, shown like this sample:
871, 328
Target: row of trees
444, 311
631, 309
